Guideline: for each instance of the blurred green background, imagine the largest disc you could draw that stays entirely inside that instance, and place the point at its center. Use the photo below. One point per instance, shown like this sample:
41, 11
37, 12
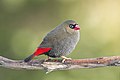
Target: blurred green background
23, 24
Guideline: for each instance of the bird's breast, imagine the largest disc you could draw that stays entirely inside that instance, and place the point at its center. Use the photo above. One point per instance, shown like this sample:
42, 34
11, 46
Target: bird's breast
66, 45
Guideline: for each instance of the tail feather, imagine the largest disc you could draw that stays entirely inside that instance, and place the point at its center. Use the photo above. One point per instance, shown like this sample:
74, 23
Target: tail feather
29, 58
38, 52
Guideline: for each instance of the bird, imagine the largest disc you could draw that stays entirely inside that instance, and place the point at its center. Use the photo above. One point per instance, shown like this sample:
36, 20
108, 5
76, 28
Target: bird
59, 42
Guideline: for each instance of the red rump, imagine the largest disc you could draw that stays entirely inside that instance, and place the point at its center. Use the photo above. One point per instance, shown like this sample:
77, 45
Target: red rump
40, 51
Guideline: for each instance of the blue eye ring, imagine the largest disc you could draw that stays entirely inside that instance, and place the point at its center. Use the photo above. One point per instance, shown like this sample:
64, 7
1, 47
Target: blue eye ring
71, 26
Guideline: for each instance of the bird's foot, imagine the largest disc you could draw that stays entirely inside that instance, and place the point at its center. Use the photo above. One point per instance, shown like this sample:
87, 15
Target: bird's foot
47, 59
65, 58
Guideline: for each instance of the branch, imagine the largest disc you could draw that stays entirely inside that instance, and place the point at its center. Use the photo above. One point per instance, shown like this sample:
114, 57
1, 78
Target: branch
56, 64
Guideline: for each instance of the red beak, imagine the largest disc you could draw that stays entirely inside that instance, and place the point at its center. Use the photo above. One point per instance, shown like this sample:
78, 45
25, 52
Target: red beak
77, 27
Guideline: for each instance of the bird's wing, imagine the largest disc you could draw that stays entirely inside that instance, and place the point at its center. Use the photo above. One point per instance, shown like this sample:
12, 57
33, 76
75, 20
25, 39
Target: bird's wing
48, 40
46, 45
53, 37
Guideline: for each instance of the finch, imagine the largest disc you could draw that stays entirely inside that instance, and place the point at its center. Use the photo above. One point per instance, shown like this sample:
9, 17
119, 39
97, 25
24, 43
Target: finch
59, 42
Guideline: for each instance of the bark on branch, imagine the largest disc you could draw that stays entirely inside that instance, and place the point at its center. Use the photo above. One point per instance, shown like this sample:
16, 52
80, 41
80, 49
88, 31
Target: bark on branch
56, 64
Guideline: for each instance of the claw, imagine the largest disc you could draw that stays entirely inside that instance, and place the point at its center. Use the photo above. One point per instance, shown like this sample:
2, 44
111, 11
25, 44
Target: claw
65, 58
47, 59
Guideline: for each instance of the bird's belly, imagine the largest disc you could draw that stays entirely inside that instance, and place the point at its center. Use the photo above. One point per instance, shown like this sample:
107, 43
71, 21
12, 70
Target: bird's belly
63, 47
66, 47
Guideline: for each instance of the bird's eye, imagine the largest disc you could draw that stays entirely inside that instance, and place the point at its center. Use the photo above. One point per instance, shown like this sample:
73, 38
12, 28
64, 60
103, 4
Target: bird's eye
72, 26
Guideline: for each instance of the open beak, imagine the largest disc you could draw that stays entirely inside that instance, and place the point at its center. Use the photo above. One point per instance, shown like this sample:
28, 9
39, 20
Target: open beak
77, 27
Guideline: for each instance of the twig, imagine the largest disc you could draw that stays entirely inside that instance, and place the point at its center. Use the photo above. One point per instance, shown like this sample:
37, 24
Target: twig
56, 64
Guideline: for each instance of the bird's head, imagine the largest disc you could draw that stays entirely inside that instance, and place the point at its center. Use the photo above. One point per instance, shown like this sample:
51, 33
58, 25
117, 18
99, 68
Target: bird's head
71, 26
